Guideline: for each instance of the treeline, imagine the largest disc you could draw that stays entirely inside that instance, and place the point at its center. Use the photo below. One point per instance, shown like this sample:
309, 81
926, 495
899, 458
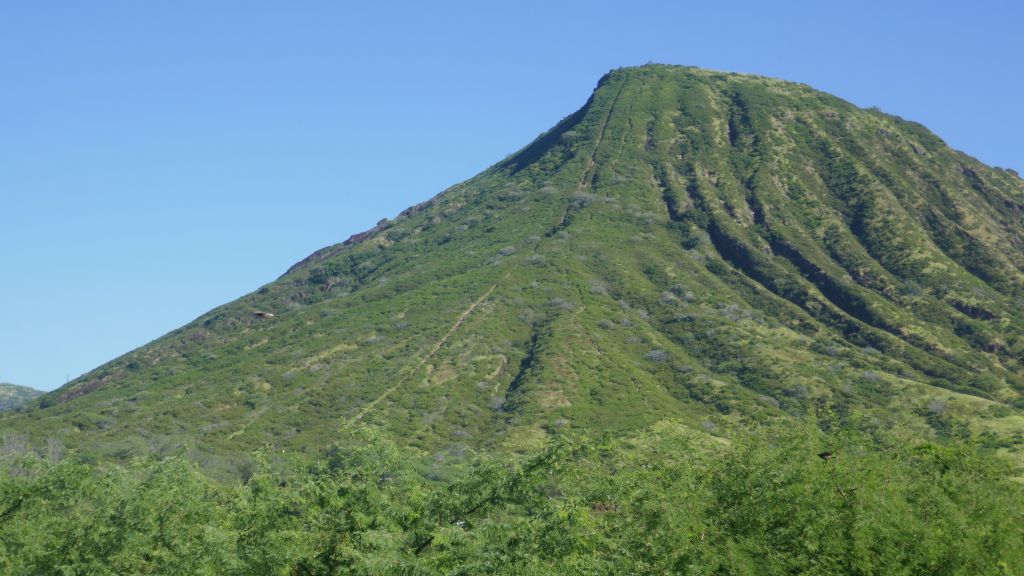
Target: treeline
769, 501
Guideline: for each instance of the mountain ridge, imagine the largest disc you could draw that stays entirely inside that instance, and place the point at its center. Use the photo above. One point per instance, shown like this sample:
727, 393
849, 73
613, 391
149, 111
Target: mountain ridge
689, 244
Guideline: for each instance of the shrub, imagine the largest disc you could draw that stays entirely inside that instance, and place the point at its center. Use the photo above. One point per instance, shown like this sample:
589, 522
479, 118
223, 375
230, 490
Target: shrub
657, 355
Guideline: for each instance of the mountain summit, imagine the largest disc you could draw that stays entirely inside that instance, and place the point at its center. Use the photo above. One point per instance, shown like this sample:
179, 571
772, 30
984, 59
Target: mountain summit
690, 244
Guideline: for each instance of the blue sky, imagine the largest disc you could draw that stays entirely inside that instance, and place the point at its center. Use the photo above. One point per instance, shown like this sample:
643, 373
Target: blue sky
158, 159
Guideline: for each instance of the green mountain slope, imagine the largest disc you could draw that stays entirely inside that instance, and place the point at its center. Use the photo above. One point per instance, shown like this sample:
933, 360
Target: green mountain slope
691, 245
12, 395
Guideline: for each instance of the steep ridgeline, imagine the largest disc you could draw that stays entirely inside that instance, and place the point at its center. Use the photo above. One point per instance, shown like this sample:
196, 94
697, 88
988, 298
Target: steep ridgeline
693, 245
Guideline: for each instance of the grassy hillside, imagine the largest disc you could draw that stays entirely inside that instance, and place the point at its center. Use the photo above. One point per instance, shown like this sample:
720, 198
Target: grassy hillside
12, 395
690, 245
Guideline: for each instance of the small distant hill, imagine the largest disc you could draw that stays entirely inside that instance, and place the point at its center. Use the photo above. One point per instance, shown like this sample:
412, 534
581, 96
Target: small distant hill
12, 395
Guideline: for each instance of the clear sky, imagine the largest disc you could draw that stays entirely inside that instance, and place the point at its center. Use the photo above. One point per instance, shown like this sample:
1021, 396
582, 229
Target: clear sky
158, 159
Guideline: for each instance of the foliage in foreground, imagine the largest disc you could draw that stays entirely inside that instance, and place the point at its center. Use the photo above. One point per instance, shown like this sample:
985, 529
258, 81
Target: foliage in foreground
663, 502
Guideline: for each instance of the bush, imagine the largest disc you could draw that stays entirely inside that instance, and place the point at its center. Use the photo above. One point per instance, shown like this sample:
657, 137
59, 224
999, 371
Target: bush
666, 501
657, 355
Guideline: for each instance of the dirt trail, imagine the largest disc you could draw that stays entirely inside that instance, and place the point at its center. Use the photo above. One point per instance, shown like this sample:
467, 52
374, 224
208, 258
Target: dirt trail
434, 349
588, 174
585, 181
629, 121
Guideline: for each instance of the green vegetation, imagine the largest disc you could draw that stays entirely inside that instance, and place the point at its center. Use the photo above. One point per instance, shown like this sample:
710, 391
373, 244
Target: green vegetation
690, 244
665, 501
12, 395
732, 254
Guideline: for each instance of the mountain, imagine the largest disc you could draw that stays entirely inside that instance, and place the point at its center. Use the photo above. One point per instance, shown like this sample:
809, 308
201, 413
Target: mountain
12, 395
690, 245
